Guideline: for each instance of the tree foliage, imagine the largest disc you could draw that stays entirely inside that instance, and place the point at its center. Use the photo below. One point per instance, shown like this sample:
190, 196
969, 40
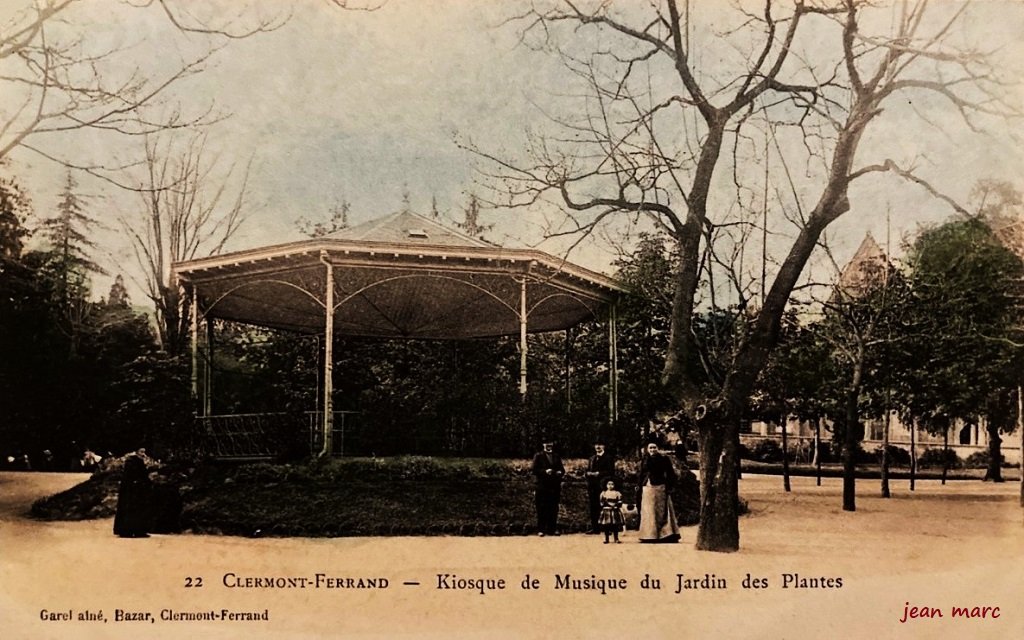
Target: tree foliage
802, 378
65, 386
64, 392
963, 318
963, 349
643, 325
14, 211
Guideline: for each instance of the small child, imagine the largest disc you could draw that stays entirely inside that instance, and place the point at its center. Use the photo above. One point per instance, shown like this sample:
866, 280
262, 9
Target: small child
610, 521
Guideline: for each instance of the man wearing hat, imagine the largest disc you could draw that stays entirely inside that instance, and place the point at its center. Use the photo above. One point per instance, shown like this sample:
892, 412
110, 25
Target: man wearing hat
548, 470
600, 469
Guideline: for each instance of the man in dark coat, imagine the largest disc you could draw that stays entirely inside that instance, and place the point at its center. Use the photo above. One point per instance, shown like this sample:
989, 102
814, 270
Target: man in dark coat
548, 470
600, 469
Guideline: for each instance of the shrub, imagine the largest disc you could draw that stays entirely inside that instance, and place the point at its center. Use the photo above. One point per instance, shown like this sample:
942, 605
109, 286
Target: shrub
832, 452
767, 450
980, 459
898, 456
393, 468
862, 457
935, 456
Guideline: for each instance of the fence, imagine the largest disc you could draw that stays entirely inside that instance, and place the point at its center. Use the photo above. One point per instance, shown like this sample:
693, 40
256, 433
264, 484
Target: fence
296, 435
267, 435
293, 435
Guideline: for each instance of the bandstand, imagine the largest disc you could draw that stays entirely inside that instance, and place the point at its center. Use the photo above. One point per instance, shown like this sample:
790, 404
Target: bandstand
404, 276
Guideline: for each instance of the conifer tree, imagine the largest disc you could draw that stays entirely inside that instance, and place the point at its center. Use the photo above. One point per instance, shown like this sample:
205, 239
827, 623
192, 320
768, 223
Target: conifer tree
118, 296
14, 209
471, 224
70, 244
69, 264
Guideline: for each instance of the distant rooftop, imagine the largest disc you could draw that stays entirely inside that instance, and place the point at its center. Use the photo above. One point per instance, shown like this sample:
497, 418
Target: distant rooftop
865, 268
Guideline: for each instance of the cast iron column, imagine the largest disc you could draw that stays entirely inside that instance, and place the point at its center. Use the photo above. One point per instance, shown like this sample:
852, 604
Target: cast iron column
208, 370
194, 330
613, 367
328, 424
522, 339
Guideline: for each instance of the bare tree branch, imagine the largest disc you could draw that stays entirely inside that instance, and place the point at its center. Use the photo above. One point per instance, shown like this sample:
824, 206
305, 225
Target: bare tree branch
67, 82
892, 167
188, 208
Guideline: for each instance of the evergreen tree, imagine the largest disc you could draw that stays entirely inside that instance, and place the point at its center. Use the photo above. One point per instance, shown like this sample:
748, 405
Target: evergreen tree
69, 239
14, 210
118, 296
23, 318
471, 224
69, 264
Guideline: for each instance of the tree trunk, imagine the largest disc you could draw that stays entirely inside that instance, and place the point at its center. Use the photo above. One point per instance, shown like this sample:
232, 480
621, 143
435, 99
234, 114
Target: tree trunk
885, 454
994, 472
1020, 431
849, 452
719, 520
173, 320
913, 453
945, 455
817, 450
850, 436
719, 503
785, 457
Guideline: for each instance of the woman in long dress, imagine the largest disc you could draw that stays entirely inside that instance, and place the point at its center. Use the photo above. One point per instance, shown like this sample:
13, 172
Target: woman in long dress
132, 518
657, 518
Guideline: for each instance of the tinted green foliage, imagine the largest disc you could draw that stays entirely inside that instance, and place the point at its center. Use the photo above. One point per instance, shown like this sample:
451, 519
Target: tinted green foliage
962, 322
802, 377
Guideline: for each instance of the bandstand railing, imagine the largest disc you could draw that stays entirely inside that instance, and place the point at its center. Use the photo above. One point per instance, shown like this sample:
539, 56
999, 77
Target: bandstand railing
294, 435
268, 435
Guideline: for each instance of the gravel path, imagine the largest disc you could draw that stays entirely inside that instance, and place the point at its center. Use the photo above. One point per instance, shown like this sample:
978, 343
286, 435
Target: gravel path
939, 547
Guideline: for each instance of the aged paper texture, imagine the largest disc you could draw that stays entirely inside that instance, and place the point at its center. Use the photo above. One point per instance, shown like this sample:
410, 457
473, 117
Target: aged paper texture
417, 105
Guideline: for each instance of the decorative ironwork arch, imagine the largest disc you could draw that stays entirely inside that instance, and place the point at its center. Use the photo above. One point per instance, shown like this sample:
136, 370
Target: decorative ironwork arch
381, 253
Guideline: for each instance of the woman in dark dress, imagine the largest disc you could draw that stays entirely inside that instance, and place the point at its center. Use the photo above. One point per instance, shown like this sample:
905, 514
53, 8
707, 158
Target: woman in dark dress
657, 518
133, 500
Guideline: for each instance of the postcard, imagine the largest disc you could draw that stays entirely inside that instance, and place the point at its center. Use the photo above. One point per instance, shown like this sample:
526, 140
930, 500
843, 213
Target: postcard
521, 319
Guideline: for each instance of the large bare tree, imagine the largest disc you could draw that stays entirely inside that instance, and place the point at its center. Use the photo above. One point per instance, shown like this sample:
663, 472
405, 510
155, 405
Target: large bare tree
188, 206
671, 119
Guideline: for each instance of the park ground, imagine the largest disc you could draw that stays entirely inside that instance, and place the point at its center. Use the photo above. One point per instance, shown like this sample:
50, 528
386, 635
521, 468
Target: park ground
937, 547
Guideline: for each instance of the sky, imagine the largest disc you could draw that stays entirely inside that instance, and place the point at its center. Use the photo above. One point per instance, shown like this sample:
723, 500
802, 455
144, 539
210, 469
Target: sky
368, 106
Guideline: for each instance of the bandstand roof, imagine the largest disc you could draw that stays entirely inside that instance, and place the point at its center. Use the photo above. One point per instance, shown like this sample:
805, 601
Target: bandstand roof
402, 276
